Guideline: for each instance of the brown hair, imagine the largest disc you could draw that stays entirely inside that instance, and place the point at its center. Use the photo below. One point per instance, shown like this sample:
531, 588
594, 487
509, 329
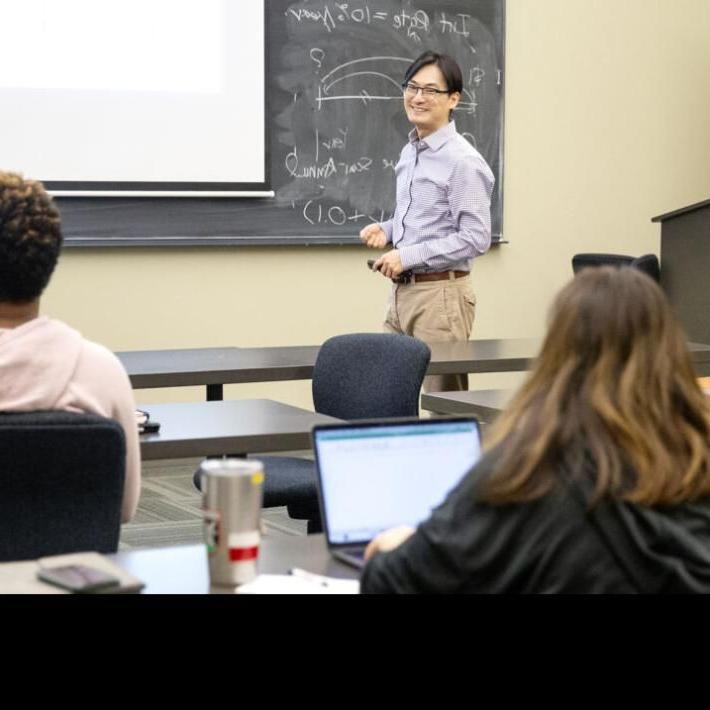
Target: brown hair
30, 238
613, 386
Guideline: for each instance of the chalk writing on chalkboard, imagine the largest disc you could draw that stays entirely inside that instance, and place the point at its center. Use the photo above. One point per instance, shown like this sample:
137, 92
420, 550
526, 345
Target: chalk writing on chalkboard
344, 126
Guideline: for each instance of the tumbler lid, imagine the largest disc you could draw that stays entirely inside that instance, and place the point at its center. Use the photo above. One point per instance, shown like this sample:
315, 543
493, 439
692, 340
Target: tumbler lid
231, 467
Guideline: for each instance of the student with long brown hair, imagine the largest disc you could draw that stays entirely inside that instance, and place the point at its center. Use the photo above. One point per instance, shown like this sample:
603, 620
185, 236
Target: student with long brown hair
597, 475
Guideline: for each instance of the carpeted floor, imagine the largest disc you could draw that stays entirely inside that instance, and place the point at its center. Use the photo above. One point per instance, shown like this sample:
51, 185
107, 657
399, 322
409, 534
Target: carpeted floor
169, 511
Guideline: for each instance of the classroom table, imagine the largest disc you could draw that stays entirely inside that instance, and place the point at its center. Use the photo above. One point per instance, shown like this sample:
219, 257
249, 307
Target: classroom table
484, 404
183, 569
215, 367
233, 427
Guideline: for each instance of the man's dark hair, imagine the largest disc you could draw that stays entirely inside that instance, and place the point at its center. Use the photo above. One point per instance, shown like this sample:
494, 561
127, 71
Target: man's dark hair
448, 66
30, 238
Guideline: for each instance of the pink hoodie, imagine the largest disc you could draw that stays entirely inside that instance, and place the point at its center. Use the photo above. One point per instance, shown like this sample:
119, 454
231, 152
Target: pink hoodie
45, 364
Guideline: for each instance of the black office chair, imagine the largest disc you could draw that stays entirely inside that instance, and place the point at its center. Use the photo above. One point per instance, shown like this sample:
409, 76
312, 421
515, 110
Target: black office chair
648, 263
61, 484
356, 376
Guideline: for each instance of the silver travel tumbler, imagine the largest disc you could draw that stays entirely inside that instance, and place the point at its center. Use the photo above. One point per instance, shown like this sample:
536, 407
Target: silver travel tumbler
231, 502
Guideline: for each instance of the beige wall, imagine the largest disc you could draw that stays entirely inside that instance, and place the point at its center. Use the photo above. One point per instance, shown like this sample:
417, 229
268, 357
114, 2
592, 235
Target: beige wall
607, 124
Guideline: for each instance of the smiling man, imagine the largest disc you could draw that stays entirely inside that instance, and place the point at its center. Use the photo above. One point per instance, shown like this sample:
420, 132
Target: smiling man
442, 219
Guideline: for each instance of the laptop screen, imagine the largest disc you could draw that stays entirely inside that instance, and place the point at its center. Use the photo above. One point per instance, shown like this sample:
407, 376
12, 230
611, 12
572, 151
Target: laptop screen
376, 476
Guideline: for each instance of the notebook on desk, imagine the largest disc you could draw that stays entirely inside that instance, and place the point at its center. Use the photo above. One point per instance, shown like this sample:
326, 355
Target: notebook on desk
374, 476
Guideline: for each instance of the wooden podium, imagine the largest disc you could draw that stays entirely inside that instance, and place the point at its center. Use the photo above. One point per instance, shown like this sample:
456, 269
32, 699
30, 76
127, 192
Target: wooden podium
685, 267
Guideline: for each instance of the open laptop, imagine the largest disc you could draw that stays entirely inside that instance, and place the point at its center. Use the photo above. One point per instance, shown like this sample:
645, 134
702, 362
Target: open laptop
374, 476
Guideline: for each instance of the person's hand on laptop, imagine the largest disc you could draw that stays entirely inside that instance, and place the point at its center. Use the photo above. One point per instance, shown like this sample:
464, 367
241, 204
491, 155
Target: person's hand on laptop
388, 540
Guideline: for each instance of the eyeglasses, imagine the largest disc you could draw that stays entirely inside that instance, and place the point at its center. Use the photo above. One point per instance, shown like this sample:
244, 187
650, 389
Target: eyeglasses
428, 92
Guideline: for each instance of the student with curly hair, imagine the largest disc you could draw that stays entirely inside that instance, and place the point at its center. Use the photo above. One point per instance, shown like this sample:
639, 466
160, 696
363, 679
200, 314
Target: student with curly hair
45, 364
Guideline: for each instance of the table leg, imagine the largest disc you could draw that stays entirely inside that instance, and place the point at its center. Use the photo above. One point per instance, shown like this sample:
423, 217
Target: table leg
215, 392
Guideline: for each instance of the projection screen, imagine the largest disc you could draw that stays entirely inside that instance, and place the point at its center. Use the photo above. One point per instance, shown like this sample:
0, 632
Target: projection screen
135, 97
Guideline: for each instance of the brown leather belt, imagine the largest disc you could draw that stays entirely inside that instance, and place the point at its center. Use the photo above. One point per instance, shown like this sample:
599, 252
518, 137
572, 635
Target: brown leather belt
438, 276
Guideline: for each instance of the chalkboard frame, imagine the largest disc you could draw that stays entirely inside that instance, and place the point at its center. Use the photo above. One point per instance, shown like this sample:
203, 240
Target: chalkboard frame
162, 221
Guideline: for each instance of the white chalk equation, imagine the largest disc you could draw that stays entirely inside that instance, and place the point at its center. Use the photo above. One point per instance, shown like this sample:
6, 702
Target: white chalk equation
323, 170
326, 170
343, 99
315, 212
414, 23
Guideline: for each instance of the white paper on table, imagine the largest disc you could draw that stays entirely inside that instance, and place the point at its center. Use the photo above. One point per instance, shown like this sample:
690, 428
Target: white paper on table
299, 583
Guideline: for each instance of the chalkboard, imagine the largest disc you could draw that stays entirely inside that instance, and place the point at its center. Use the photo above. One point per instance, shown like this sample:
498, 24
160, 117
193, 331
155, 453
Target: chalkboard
334, 73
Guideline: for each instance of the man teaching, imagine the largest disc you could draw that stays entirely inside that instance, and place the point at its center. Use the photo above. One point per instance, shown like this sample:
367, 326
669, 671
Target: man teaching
442, 218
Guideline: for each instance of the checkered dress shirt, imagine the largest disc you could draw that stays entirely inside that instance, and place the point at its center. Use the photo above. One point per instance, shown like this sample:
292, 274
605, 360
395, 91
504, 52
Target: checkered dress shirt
443, 215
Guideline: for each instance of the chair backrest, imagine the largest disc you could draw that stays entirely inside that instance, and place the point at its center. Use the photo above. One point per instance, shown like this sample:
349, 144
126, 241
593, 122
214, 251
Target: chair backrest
369, 375
648, 263
582, 261
61, 483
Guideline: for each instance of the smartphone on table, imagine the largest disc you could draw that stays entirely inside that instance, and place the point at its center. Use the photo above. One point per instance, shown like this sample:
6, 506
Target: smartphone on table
80, 579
